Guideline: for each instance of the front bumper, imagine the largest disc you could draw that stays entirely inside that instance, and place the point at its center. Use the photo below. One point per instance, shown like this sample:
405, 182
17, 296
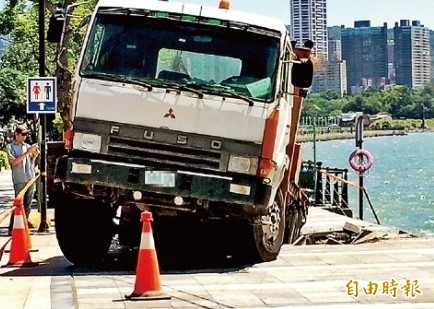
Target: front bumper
132, 177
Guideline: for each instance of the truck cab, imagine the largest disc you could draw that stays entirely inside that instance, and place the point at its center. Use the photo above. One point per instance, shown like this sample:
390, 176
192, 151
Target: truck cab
186, 111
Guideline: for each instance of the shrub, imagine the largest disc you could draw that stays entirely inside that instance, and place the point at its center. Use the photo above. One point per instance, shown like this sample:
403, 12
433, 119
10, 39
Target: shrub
58, 123
4, 160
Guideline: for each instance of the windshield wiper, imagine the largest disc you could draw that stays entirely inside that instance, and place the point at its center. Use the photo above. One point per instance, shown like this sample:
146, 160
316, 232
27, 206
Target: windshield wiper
222, 90
238, 96
186, 88
117, 78
177, 87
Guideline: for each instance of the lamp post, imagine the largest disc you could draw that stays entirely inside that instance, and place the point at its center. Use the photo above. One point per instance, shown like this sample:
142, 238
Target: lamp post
43, 125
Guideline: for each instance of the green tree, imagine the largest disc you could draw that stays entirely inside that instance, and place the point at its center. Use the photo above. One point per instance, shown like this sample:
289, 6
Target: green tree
18, 60
19, 20
12, 94
67, 53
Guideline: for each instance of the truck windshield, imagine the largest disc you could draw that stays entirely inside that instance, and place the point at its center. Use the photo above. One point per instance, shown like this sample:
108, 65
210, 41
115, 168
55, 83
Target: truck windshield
210, 59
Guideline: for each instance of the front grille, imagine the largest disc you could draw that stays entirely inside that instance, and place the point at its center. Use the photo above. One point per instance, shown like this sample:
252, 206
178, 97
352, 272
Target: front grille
158, 154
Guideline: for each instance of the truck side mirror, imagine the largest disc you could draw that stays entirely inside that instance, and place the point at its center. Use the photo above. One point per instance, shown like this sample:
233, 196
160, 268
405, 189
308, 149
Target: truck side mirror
55, 26
302, 74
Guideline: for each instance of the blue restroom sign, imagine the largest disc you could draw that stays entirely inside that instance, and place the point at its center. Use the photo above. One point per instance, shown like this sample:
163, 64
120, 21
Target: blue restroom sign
41, 95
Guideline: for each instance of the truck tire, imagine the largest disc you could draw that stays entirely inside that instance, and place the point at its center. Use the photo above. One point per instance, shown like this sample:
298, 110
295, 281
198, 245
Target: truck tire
293, 225
268, 236
84, 229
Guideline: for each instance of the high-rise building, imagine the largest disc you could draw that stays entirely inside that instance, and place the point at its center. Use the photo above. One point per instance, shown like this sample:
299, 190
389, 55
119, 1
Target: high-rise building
390, 56
336, 68
334, 32
336, 76
309, 22
432, 54
335, 50
365, 50
412, 54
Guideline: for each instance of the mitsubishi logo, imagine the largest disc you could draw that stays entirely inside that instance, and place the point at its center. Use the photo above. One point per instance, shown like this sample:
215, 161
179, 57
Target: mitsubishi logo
170, 114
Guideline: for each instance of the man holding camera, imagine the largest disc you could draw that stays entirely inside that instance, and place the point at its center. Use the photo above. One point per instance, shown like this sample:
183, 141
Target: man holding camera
22, 157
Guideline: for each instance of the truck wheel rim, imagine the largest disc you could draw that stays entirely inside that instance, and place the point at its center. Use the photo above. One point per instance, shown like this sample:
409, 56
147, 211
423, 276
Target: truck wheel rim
271, 223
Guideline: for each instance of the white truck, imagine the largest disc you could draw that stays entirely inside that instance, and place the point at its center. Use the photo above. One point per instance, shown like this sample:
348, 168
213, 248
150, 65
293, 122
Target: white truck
189, 112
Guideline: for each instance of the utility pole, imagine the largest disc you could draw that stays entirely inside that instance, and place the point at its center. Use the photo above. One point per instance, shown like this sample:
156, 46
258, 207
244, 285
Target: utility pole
43, 227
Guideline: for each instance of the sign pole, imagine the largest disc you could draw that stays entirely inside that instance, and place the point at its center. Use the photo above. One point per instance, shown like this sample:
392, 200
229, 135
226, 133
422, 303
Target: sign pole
43, 227
359, 143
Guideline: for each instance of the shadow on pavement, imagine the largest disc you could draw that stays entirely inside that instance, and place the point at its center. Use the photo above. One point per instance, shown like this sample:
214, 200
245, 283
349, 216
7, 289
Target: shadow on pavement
124, 263
55, 266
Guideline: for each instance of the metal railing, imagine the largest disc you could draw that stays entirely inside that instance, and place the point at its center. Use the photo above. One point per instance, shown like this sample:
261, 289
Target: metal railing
328, 187
21, 194
331, 188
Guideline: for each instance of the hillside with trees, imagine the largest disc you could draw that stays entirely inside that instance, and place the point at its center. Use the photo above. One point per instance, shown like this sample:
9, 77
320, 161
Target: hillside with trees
398, 102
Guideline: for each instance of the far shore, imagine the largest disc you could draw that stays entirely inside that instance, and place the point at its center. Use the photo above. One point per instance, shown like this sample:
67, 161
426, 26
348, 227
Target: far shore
304, 138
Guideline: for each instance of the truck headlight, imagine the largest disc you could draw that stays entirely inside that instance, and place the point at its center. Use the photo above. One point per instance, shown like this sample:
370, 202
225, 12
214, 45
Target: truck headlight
245, 165
87, 142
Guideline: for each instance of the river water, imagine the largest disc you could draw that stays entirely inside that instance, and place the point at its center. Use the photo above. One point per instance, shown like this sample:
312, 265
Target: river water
400, 182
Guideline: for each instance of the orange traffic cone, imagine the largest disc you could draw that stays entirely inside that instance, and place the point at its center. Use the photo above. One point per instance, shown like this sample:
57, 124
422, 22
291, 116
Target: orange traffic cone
19, 253
18, 202
147, 285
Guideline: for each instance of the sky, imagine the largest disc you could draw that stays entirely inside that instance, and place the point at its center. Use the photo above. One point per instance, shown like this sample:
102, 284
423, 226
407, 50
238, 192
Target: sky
343, 12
